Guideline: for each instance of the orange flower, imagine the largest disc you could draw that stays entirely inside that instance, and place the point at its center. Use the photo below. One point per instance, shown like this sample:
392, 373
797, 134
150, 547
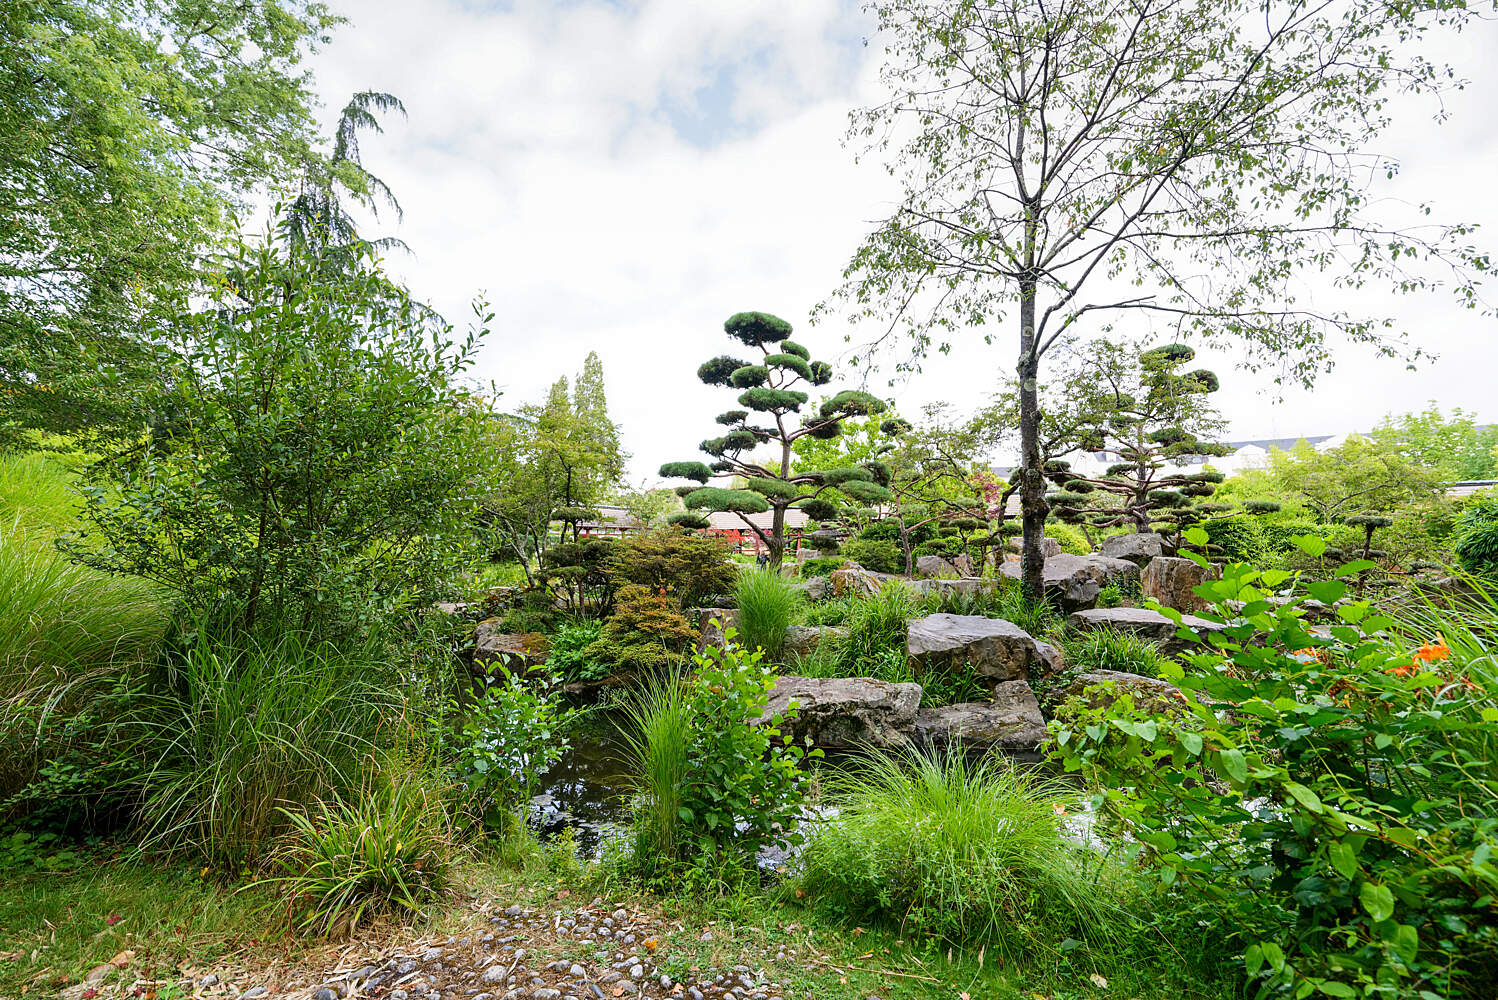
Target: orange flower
1404, 670
1432, 651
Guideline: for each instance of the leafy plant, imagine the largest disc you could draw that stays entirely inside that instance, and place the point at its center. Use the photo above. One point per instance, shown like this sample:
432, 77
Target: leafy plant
767, 604
877, 625
692, 567
568, 656
969, 854
1326, 795
830, 612
646, 632
1476, 534
509, 736
1109, 649
821, 566
879, 556
659, 738
388, 850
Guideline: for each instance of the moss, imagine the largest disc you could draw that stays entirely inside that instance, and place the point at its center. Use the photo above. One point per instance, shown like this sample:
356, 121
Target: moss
717, 371
717, 498
686, 470
770, 400
791, 362
756, 328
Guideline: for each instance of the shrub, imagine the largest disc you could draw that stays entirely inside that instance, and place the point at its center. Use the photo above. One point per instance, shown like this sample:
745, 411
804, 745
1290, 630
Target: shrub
877, 625
968, 854
698, 746
514, 730
822, 566
238, 728
646, 632
1069, 537
386, 851
767, 604
568, 655
1235, 539
1106, 649
879, 556
1352, 776
1476, 534
692, 567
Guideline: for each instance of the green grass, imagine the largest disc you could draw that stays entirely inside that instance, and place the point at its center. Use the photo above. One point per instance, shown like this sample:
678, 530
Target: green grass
876, 626
1108, 649
1005, 601
235, 732
658, 733
767, 603
967, 854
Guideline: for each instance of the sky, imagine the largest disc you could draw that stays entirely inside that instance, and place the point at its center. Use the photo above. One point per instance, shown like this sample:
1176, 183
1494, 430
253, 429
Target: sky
620, 176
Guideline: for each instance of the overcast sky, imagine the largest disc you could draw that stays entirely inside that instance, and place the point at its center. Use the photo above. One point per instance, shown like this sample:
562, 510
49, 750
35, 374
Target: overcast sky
620, 177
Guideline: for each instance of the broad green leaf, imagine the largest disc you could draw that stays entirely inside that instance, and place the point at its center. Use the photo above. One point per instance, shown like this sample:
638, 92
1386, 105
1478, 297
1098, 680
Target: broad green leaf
1344, 859
1377, 900
1192, 742
1311, 545
1406, 943
1234, 764
1326, 591
1196, 536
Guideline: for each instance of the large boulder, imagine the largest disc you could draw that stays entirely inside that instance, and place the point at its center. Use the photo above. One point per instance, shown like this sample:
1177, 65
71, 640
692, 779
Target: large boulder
815, 588
1143, 622
943, 567
1074, 582
988, 647
713, 621
803, 640
856, 581
968, 586
1011, 722
1102, 687
1048, 546
1169, 579
515, 650
846, 712
1138, 547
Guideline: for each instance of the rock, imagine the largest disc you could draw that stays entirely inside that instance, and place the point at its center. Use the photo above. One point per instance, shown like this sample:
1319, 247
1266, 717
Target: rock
1148, 692
258, 991
1169, 579
713, 622
1143, 622
856, 581
815, 588
846, 712
1138, 547
988, 647
1011, 722
1048, 546
490, 645
1074, 581
802, 640
935, 567
969, 586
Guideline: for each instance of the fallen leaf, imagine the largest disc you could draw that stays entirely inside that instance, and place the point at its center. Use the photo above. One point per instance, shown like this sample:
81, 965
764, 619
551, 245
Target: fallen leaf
122, 959
1098, 981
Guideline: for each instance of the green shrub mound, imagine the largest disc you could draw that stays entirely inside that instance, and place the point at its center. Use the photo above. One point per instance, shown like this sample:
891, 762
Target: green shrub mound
776, 488
767, 400
717, 498
756, 328
688, 519
791, 347
853, 403
865, 492
968, 854
819, 509
749, 376
717, 371
567, 656
791, 362
879, 556
821, 566
686, 470
1476, 534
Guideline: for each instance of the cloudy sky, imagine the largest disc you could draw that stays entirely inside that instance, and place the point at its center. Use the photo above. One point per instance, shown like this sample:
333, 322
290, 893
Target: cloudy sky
620, 177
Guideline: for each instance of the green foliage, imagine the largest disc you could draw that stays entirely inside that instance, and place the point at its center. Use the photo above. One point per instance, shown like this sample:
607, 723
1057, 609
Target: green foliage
567, 657
659, 737
749, 376
876, 627
719, 370
1456, 447
767, 604
1325, 796
792, 362
1068, 536
134, 132
304, 471
881, 557
1236, 539
235, 730
777, 489
686, 470
968, 854
1361, 475
387, 851
791, 347
717, 498
768, 400
645, 632
822, 566
756, 329
853, 402
1476, 534
504, 739
865, 492
833, 611
579, 575
1106, 649
691, 568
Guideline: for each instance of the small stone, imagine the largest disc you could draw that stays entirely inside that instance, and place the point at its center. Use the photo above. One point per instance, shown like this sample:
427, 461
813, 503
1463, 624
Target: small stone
260, 991
495, 973
325, 994
620, 916
209, 980
706, 936
577, 971
364, 972
636, 971
431, 954
665, 982
394, 994
514, 911
546, 993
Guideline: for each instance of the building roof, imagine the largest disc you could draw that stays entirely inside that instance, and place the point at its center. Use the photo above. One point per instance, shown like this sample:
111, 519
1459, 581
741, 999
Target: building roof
1467, 487
1283, 444
725, 520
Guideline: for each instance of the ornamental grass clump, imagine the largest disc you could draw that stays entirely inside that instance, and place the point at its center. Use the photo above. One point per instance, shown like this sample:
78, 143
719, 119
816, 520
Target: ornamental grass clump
971, 854
768, 604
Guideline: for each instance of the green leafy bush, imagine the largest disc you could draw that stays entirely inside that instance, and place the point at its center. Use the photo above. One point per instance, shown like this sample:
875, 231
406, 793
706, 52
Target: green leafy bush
1235, 539
1476, 534
1069, 537
568, 656
691, 567
969, 854
388, 850
876, 626
1325, 797
646, 632
512, 732
767, 604
879, 556
736, 786
834, 611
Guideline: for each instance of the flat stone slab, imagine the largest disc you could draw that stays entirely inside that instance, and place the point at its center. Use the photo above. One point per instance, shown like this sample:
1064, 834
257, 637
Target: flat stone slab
988, 647
1145, 623
513, 649
842, 713
1011, 722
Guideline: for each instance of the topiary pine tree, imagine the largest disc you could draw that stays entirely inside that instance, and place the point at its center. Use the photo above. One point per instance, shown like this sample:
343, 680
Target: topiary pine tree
771, 415
1159, 415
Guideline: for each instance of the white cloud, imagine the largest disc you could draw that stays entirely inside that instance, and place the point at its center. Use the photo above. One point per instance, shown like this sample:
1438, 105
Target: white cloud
620, 177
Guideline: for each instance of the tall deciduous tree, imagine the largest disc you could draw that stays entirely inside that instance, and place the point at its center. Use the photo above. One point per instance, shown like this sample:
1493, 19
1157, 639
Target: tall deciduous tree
772, 409
130, 131
1455, 447
1193, 161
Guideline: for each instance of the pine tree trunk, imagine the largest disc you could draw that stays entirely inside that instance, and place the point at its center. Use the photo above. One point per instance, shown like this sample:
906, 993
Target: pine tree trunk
1032, 476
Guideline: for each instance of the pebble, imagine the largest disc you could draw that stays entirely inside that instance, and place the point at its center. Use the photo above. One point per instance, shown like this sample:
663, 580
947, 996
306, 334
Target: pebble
495, 974
514, 911
325, 994
209, 980
256, 992
636, 971
546, 994
577, 971
431, 954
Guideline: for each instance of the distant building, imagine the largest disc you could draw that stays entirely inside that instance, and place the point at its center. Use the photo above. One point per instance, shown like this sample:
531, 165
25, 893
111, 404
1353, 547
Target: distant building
731, 526
612, 522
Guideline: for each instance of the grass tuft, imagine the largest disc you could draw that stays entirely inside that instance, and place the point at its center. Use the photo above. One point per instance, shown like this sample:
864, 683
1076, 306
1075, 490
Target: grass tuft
768, 603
